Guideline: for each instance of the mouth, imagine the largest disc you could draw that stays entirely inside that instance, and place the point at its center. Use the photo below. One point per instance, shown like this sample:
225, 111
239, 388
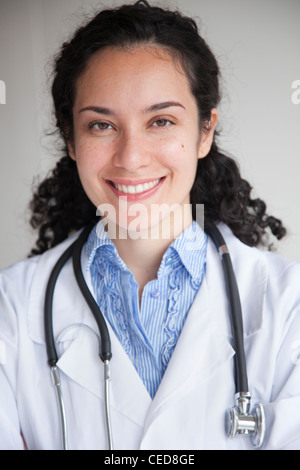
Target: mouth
135, 190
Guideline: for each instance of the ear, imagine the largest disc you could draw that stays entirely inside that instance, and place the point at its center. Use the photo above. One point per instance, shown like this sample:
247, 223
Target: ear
207, 135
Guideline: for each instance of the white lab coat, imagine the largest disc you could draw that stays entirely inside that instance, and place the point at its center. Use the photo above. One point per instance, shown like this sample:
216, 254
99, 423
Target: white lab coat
188, 411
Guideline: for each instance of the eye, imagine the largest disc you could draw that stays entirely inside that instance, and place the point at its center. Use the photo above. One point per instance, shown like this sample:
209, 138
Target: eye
100, 126
162, 122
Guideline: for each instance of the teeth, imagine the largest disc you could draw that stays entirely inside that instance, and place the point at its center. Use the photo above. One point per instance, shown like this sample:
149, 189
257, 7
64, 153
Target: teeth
139, 188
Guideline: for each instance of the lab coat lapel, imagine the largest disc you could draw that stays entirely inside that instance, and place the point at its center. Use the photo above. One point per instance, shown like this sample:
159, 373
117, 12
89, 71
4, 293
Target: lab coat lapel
82, 364
77, 338
204, 346
201, 350
80, 361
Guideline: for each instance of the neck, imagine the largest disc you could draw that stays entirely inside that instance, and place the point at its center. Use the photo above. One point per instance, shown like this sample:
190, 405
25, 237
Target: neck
143, 251
143, 258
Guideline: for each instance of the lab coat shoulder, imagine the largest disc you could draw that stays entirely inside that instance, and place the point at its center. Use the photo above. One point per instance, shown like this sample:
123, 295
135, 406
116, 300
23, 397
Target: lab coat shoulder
269, 288
22, 288
276, 275
283, 281
22, 284
16, 282
15, 287
270, 297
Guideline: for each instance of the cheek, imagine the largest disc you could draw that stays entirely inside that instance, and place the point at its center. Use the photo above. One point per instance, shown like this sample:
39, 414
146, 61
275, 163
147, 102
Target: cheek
172, 152
181, 157
89, 158
89, 165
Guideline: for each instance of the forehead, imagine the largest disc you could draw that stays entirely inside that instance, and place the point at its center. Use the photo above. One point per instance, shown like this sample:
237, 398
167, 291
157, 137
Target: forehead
141, 72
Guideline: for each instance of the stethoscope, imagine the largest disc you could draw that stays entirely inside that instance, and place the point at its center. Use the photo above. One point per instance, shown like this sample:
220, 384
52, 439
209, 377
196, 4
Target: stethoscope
239, 420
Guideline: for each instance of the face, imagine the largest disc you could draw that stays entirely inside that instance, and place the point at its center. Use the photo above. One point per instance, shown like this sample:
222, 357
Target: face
136, 135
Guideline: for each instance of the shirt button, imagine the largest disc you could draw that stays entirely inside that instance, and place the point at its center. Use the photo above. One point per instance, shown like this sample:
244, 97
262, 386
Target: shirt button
155, 293
168, 261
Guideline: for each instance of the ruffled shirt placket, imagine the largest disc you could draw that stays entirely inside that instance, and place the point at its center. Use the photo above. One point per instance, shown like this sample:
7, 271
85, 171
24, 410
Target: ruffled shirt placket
148, 334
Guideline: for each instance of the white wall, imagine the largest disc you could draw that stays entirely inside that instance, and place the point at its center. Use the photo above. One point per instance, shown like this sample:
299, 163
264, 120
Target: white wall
258, 47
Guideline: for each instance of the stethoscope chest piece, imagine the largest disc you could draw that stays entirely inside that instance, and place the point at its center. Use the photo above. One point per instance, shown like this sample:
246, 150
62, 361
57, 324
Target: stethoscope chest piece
239, 420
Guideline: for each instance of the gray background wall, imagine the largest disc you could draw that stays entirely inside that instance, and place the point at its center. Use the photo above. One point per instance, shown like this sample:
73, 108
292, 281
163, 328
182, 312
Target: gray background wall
257, 44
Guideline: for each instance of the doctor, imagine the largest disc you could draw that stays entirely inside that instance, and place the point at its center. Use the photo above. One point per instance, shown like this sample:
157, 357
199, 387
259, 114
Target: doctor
135, 94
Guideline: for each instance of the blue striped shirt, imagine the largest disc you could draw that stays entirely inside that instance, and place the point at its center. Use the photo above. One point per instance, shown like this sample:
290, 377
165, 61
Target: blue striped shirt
148, 333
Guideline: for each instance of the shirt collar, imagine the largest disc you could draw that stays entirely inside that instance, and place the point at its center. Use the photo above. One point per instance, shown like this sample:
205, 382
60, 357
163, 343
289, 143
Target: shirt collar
190, 248
99, 241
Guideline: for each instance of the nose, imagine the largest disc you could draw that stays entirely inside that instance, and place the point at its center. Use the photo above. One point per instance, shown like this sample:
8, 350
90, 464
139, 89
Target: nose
132, 153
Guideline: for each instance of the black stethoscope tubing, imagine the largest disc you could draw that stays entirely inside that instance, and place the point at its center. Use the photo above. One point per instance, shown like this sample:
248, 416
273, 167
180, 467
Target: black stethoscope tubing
105, 344
74, 250
239, 421
241, 379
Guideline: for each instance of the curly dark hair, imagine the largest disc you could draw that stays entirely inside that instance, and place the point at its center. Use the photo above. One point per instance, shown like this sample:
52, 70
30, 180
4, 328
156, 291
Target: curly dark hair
60, 205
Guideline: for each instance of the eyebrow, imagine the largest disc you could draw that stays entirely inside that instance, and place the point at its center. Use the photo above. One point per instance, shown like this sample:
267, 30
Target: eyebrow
165, 104
154, 107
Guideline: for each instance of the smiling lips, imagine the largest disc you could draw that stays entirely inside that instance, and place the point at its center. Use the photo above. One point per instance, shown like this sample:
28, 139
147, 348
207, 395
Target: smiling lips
135, 191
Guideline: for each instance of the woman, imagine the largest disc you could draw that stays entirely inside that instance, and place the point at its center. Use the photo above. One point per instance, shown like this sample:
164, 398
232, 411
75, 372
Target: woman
135, 94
